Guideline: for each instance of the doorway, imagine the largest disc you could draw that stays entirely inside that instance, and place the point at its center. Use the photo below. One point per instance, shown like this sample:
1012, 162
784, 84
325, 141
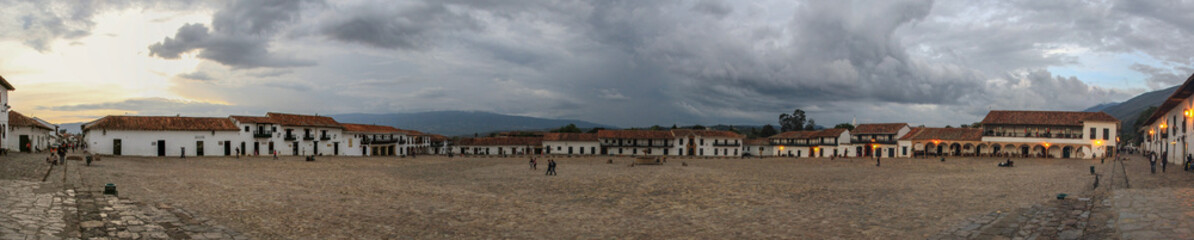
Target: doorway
256, 148
199, 148
161, 148
315, 149
227, 148
24, 141
271, 148
116, 147
336, 148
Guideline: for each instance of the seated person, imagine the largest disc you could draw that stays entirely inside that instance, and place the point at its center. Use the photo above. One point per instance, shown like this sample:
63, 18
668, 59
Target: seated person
1007, 163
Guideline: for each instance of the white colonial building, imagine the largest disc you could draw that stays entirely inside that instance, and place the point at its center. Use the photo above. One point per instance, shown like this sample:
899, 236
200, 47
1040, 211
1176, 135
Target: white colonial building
501, 146
307, 135
372, 140
1167, 131
759, 147
877, 139
924, 142
29, 135
817, 144
161, 136
571, 143
4, 108
1052, 134
636, 142
716, 143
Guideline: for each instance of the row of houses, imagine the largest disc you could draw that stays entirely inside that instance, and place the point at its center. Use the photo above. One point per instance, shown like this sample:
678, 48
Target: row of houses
275, 133
1167, 130
1054, 134
19, 132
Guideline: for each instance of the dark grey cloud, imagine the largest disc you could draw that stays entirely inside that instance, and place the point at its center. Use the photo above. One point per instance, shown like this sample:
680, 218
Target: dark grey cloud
397, 25
1162, 78
239, 37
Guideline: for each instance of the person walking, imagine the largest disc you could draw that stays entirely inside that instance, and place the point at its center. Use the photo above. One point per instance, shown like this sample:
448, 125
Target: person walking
182, 152
533, 164
237, 152
1186, 166
878, 160
62, 155
1164, 163
551, 167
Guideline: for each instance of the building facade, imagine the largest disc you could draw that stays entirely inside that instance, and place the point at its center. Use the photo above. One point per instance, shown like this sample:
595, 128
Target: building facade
1052, 134
1167, 132
4, 109
28, 134
161, 136
925, 142
877, 139
636, 142
705, 143
501, 146
371, 140
571, 143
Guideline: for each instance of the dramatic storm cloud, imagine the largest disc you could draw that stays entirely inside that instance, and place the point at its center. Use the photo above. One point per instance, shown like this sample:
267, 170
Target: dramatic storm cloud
637, 63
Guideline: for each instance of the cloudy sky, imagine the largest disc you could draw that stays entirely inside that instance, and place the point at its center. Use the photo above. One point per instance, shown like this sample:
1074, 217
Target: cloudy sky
626, 63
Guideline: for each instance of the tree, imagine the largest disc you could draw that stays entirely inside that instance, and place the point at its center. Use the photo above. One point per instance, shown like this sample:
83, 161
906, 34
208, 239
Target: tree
657, 128
594, 130
811, 125
948, 126
976, 125
698, 127
847, 126
767, 131
570, 128
793, 122
674, 126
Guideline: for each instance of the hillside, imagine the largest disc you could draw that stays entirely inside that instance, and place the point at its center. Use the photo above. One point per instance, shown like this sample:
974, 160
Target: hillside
461, 123
1127, 111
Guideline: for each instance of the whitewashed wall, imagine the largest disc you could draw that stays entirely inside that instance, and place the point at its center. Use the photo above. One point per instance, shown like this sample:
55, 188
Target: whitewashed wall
578, 147
144, 143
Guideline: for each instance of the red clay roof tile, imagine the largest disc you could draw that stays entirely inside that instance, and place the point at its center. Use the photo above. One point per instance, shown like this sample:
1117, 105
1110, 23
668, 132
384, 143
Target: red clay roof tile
16, 119
150, 123
1054, 118
501, 141
304, 120
634, 134
570, 137
878, 128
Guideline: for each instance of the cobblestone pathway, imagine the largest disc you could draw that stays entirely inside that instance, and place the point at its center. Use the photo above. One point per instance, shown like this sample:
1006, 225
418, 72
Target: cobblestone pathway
1164, 213
30, 210
1080, 218
68, 207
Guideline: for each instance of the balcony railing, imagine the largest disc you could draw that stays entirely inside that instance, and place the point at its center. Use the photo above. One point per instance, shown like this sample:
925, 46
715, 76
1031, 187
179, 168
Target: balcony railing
325, 137
378, 141
726, 144
1034, 135
290, 138
634, 145
263, 134
308, 137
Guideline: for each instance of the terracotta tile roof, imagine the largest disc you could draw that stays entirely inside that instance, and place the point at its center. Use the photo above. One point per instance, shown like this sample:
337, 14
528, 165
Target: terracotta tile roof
1054, 118
832, 132
412, 132
1183, 92
878, 128
757, 142
17, 119
570, 137
366, 128
253, 119
162, 123
706, 133
634, 134
438, 138
304, 120
501, 141
793, 135
5, 83
944, 134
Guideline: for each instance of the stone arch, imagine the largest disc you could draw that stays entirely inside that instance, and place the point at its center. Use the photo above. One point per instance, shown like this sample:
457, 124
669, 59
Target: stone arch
955, 149
1054, 151
1037, 150
930, 148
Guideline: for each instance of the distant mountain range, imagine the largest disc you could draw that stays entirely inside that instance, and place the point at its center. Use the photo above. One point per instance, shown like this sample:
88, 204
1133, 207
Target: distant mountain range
461, 123
1127, 111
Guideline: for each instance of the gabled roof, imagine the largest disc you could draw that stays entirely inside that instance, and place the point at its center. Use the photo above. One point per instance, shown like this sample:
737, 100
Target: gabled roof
6, 85
634, 134
1183, 92
1054, 118
757, 142
706, 133
944, 134
501, 141
304, 120
570, 137
17, 119
832, 132
438, 138
253, 119
162, 123
366, 128
878, 128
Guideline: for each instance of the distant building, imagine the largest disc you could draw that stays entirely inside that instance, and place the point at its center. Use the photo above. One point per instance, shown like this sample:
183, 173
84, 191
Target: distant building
923, 141
1053, 134
571, 143
758, 147
717, 143
877, 139
636, 142
372, 140
501, 146
815, 144
29, 134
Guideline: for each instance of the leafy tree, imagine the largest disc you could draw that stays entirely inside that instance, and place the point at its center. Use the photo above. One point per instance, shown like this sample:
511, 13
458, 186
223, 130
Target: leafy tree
811, 125
965, 126
792, 122
698, 127
767, 131
674, 126
594, 130
847, 126
976, 125
570, 128
656, 128
948, 126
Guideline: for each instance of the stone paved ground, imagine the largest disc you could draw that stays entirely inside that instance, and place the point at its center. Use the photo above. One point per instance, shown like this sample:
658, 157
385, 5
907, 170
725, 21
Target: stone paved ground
1156, 205
69, 207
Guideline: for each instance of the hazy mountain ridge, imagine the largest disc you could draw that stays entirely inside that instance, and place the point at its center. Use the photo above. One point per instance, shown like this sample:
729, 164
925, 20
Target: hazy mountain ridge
461, 123
1127, 111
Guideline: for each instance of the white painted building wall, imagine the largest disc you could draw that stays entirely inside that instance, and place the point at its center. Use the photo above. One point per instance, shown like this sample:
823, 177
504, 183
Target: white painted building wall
4, 128
145, 143
576, 147
39, 139
496, 150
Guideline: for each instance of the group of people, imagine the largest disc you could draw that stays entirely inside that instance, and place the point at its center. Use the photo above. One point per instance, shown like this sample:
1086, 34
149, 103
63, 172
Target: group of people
551, 166
1153, 158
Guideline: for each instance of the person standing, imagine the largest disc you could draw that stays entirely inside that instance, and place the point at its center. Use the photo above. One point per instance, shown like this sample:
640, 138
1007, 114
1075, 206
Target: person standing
62, 155
878, 160
551, 167
533, 164
237, 152
1152, 162
182, 152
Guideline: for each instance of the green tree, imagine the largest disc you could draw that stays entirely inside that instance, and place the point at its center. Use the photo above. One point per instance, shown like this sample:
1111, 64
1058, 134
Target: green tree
792, 122
976, 125
847, 126
698, 127
674, 126
656, 128
811, 125
767, 131
948, 126
594, 130
570, 128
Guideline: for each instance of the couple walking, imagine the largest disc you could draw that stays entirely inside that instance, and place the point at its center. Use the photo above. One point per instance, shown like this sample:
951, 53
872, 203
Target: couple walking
551, 166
